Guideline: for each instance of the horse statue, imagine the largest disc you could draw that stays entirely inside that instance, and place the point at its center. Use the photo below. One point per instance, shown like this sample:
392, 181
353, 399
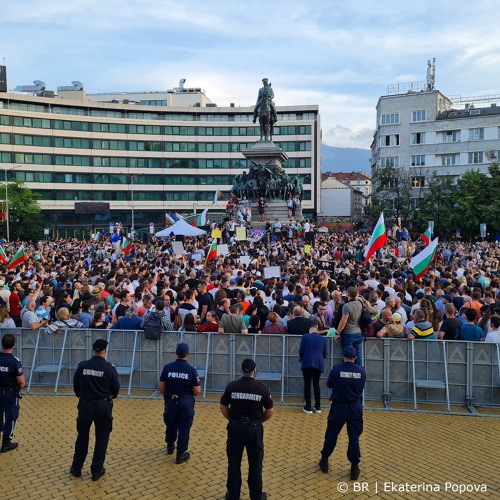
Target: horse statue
266, 121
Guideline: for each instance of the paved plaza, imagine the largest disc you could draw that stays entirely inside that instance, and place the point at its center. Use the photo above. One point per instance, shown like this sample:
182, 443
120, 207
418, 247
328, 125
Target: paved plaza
400, 450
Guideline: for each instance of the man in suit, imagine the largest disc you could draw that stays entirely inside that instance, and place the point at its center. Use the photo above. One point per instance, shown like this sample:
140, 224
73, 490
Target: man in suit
312, 353
298, 325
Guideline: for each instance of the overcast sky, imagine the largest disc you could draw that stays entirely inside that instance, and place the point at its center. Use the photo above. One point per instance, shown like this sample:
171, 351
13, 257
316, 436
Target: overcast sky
338, 54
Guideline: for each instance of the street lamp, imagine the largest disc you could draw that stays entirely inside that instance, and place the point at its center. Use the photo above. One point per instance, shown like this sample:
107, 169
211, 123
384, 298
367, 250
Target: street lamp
132, 229
5, 170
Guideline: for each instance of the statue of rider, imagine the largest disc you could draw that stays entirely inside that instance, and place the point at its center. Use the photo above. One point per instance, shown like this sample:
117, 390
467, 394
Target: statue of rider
265, 93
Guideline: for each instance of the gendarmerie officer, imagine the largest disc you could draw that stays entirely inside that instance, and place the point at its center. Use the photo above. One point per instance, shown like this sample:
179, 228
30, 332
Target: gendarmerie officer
347, 382
179, 383
96, 385
246, 404
11, 383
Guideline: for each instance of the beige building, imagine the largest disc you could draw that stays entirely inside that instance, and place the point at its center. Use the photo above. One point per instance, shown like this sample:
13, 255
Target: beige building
339, 200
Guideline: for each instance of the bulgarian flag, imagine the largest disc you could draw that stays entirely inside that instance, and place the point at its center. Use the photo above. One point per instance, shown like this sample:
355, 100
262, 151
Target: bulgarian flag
126, 246
217, 195
3, 256
169, 220
422, 261
200, 220
98, 236
378, 239
212, 252
18, 258
426, 237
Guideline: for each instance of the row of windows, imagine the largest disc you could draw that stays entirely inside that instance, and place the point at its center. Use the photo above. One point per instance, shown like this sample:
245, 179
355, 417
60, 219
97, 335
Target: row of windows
193, 180
200, 117
121, 128
475, 157
184, 147
417, 115
126, 195
99, 161
449, 136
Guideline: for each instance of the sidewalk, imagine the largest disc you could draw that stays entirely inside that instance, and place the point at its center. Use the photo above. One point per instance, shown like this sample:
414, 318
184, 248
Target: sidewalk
427, 451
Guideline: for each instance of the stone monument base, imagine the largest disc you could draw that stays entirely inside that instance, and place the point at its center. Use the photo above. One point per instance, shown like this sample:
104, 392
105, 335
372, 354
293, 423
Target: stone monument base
275, 210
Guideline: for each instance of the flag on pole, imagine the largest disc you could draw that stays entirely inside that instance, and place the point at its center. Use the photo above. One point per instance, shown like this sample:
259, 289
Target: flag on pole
217, 195
126, 246
3, 256
98, 236
18, 258
421, 262
169, 220
212, 252
200, 220
378, 239
426, 237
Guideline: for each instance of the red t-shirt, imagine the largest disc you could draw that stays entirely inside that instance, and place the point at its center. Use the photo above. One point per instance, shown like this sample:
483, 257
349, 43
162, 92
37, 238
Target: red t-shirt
15, 304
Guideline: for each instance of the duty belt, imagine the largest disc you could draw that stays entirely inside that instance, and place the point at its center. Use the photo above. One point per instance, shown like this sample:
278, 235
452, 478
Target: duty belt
175, 397
245, 420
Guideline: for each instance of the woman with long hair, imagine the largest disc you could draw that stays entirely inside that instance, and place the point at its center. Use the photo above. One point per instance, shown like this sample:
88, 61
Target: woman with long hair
5, 320
211, 325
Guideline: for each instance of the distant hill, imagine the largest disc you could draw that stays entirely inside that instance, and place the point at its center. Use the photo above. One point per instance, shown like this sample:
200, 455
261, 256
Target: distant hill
345, 159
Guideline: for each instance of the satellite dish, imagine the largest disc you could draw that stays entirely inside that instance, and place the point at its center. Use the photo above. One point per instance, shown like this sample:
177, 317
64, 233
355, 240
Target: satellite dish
491, 156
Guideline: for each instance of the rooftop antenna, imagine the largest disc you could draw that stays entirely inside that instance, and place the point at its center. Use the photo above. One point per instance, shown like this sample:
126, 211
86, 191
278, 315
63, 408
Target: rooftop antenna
431, 73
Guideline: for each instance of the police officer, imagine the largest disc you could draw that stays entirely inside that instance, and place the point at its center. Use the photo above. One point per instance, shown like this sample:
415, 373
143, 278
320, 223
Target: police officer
11, 383
96, 385
179, 383
246, 404
347, 382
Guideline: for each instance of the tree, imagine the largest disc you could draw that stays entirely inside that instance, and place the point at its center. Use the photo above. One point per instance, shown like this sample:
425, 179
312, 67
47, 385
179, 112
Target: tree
25, 219
438, 204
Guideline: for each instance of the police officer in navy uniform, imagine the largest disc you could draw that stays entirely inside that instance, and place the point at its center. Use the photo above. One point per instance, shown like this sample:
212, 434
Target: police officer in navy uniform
179, 383
246, 404
347, 382
96, 385
11, 383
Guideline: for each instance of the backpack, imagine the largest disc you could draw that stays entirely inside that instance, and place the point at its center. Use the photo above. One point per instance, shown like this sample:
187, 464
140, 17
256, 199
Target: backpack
366, 323
152, 327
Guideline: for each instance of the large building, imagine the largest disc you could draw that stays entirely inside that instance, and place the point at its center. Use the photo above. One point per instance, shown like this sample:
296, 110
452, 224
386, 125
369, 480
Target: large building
358, 181
422, 131
142, 153
340, 201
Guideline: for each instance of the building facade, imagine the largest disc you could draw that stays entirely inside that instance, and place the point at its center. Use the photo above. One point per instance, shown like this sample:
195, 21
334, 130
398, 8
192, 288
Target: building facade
142, 159
339, 201
358, 181
425, 132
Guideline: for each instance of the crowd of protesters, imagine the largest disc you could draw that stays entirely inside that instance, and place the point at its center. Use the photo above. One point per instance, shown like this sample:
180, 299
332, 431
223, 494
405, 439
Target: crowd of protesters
89, 284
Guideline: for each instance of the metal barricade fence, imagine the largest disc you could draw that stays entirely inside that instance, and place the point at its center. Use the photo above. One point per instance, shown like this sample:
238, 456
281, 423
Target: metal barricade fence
398, 371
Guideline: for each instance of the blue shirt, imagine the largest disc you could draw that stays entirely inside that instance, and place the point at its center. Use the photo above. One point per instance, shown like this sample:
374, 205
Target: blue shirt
180, 378
347, 382
470, 333
124, 323
10, 369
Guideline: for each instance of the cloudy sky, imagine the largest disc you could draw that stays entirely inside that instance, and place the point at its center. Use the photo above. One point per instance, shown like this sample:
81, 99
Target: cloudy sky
338, 54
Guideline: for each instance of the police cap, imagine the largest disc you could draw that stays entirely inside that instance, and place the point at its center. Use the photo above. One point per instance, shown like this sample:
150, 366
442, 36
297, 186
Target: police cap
349, 352
182, 349
100, 345
248, 366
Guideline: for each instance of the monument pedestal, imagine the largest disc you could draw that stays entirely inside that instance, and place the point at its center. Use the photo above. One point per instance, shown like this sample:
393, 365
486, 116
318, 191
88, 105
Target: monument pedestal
275, 210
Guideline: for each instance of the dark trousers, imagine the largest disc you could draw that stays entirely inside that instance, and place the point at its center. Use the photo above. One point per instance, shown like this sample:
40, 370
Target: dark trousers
9, 412
340, 414
178, 418
313, 375
249, 435
99, 412
17, 321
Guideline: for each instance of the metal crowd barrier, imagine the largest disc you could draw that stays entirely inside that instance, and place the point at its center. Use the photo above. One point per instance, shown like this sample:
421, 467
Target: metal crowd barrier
464, 374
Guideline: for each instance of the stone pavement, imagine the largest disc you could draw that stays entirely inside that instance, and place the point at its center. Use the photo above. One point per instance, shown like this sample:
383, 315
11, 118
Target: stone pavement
411, 450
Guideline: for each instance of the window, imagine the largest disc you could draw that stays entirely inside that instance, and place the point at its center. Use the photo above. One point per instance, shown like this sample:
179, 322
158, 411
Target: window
181, 195
149, 195
145, 162
389, 140
476, 134
389, 119
419, 115
30, 122
451, 136
5, 157
70, 178
117, 128
214, 147
73, 195
68, 125
5, 138
33, 159
414, 203
184, 147
216, 179
418, 182
110, 179
110, 195
181, 179
389, 161
5, 120
147, 179
180, 163
418, 138
68, 142
144, 129
30, 140
418, 161
450, 159
109, 162
78, 161
98, 144
476, 157
143, 146
180, 131
32, 176
216, 163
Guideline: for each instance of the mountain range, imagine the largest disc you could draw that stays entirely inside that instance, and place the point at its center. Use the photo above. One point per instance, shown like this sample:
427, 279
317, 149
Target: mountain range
345, 159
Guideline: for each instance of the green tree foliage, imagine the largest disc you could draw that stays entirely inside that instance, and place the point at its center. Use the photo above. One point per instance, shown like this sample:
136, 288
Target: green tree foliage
25, 217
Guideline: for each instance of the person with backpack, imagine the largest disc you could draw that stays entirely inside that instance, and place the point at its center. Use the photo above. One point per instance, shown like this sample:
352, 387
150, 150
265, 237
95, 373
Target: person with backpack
156, 321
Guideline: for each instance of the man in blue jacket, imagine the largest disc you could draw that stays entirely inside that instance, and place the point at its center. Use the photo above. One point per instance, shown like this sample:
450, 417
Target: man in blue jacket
312, 352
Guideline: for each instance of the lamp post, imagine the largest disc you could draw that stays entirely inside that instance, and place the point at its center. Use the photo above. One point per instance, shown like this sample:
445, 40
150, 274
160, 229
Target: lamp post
132, 229
5, 170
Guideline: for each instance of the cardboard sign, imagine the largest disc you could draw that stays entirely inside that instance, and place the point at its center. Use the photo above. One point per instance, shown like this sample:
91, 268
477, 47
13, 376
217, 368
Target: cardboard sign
222, 249
217, 233
272, 272
245, 259
178, 247
241, 233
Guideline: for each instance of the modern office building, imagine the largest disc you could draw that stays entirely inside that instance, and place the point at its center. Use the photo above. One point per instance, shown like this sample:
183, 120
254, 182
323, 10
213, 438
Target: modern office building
143, 153
421, 130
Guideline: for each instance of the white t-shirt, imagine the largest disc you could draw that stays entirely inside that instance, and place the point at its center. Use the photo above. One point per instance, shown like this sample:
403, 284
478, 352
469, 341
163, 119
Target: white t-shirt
493, 336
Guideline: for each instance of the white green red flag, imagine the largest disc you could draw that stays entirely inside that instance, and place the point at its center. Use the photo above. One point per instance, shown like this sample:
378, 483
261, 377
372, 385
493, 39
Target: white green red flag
169, 220
426, 237
126, 246
212, 252
200, 220
422, 261
3, 256
217, 195
378, 239
98, 236
18, 258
